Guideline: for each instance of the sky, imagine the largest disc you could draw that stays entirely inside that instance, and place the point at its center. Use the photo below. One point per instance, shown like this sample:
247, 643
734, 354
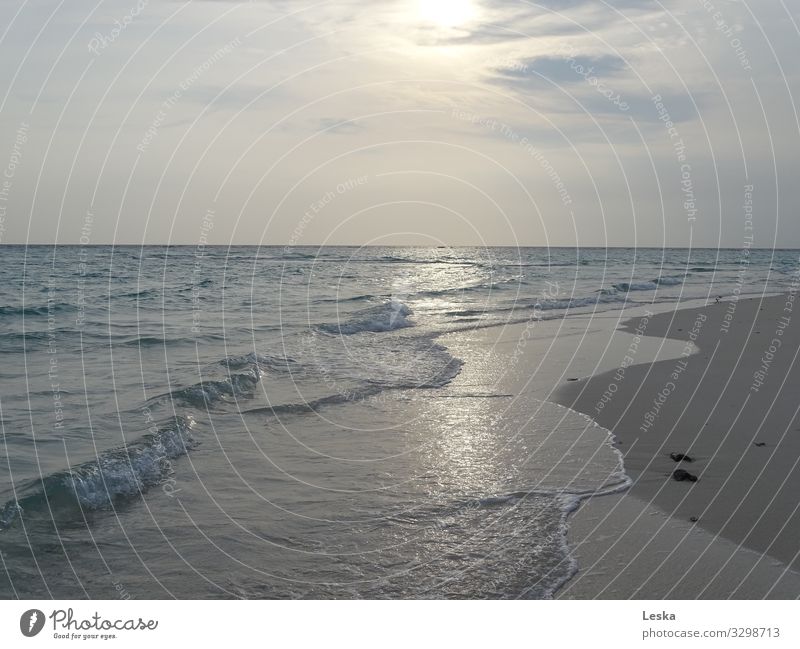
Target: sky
459, 122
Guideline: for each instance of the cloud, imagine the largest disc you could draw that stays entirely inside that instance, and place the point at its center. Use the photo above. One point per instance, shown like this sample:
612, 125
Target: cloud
562, 69
337, 125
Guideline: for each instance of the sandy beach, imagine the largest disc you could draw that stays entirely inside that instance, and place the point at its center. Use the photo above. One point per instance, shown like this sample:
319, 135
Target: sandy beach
730, 405
707, 381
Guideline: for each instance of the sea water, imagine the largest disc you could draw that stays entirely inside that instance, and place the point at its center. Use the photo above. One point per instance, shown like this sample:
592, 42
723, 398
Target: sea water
271, 422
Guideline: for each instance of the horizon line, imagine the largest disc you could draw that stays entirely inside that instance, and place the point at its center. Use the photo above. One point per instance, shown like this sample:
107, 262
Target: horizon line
355, 245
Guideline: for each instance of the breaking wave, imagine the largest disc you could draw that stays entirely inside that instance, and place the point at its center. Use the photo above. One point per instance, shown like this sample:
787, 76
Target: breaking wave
388, 316
118, 473
209, 393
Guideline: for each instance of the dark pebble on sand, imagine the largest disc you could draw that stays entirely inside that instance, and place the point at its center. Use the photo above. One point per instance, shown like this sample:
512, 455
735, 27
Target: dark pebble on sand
572, 379
693, 519
759, 443
680, 475
680, 457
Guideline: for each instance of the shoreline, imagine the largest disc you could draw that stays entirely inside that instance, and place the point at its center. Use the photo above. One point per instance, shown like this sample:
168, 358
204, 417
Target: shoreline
723, 401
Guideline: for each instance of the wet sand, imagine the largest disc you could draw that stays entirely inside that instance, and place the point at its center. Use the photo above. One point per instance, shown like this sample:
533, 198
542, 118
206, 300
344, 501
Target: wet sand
731, 403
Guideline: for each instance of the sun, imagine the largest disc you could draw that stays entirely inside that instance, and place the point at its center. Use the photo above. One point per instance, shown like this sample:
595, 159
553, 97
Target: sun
446, 13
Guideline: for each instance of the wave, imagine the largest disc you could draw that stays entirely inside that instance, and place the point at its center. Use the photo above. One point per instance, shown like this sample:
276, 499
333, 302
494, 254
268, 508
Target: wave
418, 363
139, 295
604, 296
42, 310
432, 366
314, 405
516, 281
116, 474
388, 316
207, 393
626, 287
440, 379
543, 264
153, 341
578, 302
202, 284
355, 298
144, 341
427, 365
254, 361
673, 280
289, 253
34, 335
650, 285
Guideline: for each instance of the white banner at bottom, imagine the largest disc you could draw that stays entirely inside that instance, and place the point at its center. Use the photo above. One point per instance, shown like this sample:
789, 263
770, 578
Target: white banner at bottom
403, 624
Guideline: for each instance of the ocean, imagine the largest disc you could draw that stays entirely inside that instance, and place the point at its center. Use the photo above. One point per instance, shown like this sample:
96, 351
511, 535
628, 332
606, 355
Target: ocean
269, 422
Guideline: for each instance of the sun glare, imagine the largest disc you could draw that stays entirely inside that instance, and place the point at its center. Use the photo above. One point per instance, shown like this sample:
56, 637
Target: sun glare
446, 13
